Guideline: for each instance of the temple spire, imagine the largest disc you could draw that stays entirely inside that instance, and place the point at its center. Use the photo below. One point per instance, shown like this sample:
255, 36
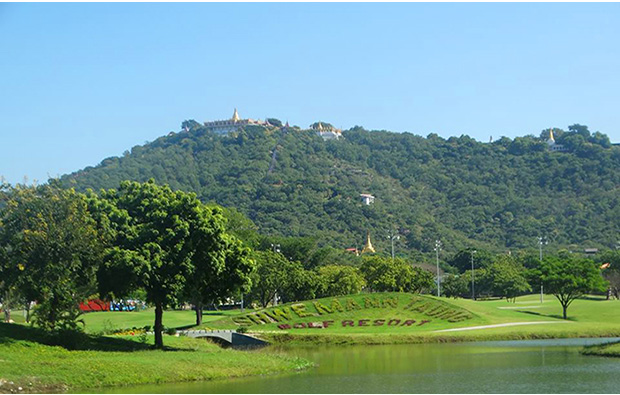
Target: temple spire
235, 117
551, 138
368, 247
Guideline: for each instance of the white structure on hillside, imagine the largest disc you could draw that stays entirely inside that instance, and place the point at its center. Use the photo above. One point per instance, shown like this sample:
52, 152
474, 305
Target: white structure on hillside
367, 198
327, 132
553, 146
231, 125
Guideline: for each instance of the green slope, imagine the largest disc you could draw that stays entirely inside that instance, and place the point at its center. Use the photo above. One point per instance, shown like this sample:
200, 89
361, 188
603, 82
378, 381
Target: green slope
402, 317
500, 195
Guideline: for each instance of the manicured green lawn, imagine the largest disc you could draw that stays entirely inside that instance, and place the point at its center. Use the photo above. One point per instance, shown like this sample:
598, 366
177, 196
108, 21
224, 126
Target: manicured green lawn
28, 360
98, 321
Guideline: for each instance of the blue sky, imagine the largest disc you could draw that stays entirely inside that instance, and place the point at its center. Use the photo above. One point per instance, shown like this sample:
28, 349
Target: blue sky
82, 82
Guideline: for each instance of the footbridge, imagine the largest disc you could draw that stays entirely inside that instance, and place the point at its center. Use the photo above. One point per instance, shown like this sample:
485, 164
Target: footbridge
226, 337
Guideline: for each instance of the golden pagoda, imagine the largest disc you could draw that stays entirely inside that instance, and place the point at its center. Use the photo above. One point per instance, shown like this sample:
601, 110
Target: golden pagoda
368, 248
235, 117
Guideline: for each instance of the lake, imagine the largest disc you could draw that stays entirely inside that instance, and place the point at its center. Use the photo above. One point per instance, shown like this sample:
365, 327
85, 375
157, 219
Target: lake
532, 366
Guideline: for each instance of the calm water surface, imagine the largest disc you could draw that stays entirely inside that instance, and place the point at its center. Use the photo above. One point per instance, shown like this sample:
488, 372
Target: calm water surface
539, 366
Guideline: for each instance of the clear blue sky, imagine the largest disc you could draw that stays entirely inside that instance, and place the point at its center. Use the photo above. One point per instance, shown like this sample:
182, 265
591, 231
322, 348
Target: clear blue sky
82, 82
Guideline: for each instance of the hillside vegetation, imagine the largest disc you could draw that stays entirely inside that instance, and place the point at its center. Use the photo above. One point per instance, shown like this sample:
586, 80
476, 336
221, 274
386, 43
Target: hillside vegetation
499, 195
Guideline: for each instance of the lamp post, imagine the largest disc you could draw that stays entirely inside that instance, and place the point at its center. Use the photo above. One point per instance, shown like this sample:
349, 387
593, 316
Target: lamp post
393, 237
542, 240
473, 292
437, 248
276, 248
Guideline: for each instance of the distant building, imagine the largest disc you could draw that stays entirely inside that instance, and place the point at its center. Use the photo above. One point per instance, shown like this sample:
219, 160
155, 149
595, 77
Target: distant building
231, 125
553, 146
327, 132
590, 251
367, 199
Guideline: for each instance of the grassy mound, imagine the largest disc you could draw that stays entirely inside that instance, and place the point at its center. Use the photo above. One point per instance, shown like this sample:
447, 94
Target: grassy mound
363, 313
382, 318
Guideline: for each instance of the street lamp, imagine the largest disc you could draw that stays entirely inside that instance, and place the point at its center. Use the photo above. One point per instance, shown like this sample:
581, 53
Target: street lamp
437, 248
542, 240
393, 237
276, 248
473, 293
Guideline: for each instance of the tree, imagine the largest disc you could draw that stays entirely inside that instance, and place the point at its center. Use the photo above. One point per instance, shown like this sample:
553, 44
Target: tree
271, 275
454, 286
611, 270
507, 277
462, 259
339, 280
161, 238
51, 248
383, 274
569, 278
274, 122
190, 124
210, 282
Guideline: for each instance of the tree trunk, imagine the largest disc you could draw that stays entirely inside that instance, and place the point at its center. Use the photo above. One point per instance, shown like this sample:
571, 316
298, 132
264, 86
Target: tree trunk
564, 307
7, 314
28, 313
198, 307
159, 312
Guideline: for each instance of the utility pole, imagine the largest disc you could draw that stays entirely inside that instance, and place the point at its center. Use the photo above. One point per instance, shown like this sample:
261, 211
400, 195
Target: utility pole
393, 237
541, 240
473, 292
437, 248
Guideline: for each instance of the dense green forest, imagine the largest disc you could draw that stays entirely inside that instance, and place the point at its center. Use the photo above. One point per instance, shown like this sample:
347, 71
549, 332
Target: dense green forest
497, 196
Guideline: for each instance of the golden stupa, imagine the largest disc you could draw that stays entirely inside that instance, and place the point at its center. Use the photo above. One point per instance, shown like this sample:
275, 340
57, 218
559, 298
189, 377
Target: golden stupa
368, 248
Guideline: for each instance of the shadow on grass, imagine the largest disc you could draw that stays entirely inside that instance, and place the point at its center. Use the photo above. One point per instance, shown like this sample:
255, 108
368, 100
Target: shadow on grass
547, 315
70, 340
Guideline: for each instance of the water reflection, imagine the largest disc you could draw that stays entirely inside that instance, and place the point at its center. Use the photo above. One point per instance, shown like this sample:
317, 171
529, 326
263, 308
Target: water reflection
542, 366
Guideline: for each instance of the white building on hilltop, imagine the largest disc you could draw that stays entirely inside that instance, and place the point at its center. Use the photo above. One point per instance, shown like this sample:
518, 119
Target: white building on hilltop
327, 132
552, 145
231, 125
367, 198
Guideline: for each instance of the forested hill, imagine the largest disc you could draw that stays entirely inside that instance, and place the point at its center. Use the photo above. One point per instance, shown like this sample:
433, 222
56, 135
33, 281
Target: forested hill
499, 195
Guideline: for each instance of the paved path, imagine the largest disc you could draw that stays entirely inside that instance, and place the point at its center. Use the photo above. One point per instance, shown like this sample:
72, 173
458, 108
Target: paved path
471, 328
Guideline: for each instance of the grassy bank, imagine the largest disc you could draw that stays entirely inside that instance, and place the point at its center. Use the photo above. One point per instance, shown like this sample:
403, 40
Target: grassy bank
37, 362
603, 350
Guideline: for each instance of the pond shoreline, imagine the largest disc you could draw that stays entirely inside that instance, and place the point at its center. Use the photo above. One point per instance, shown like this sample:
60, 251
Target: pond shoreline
384, 339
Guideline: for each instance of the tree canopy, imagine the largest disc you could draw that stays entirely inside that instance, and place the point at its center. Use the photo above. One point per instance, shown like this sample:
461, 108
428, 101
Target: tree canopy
489, 196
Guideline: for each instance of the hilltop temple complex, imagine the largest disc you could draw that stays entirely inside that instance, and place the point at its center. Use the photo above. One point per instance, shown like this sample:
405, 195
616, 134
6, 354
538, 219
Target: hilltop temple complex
233, 124
324, 130
327, 132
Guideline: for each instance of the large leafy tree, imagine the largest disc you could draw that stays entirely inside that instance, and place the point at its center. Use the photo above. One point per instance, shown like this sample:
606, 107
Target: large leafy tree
568, 278
210, 282
160, 239
51, 250
385, 274
339, 280
507, 278
272, 275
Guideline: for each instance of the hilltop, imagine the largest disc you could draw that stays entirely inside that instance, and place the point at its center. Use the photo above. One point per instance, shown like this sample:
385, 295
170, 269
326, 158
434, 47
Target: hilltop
291, 182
